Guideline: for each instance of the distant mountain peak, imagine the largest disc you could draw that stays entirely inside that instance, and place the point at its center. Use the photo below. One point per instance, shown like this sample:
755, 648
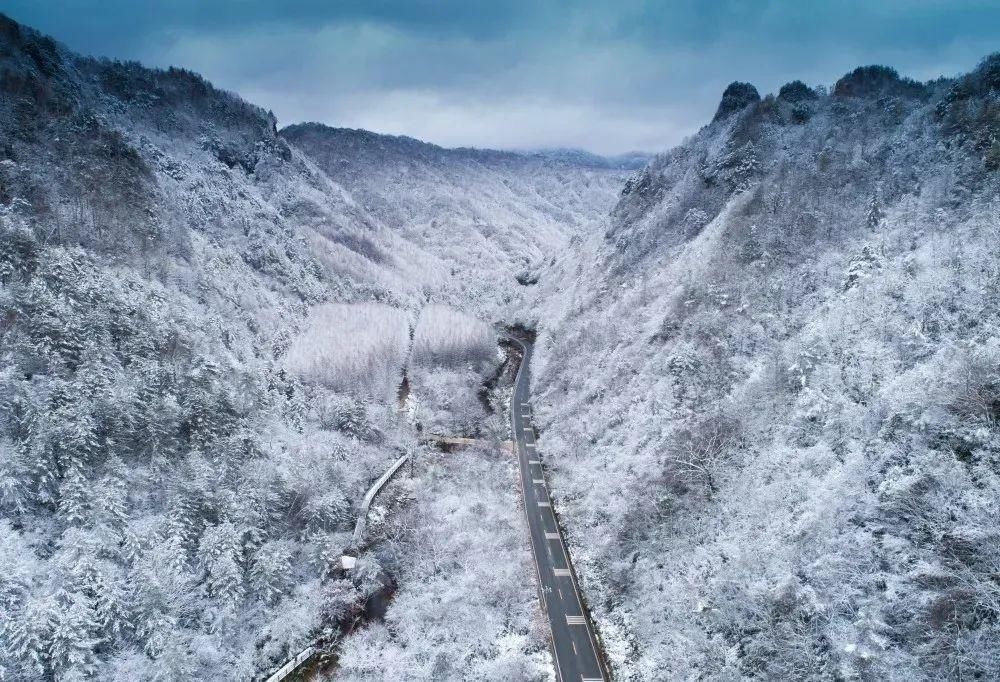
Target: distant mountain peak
876, 80
736, 97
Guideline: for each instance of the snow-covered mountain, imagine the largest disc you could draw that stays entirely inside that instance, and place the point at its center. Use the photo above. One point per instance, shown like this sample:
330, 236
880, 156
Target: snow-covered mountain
492, 217
766, 379
769, 389
175, 483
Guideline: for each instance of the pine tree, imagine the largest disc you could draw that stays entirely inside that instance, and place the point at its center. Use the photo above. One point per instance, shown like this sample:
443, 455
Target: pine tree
74, 498
74, 637
270, 569
30, 427
13, 479
111, 498
353, 419
162, 596
29, 632
112, 605
219, 555
181, 527
874, 213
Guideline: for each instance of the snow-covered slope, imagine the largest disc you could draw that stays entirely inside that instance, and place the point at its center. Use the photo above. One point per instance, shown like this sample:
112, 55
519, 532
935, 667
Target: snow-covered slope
769, 390
169, 495
175, 490
493, 218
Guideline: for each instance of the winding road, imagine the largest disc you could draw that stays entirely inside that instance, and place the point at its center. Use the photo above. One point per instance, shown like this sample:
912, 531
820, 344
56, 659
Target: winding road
574, 645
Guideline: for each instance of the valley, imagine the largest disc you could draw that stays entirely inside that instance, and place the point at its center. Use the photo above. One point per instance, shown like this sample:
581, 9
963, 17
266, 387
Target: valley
745, 427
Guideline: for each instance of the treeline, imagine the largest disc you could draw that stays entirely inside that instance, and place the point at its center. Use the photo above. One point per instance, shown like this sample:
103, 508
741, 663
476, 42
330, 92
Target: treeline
449, 338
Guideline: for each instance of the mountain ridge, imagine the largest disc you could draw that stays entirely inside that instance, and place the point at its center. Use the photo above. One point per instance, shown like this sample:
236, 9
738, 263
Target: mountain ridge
569, 156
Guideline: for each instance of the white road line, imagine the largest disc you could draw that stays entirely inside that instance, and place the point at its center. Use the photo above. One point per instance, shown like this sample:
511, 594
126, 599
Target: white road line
574, 647
534, 557
576, 620
561, 572
552, 536
530, 445
527, 429
542, 503
534, 461
536, 481
559, 590
525, 405
589, 679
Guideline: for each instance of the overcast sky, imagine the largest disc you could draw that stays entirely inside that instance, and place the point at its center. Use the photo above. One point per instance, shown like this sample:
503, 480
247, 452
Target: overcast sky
609, 76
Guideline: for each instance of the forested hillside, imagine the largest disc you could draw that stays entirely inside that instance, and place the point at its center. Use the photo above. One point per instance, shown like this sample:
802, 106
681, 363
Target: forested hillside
170, 492
202, 335
494, 217
769, 390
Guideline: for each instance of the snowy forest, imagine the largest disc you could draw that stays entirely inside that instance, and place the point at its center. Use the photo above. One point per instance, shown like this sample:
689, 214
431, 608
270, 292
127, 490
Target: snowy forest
766, 383
203, 336
772, 424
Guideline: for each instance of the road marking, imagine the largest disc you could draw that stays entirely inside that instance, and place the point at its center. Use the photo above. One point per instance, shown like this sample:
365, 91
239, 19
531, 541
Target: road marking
574, 647
552, 536
542, 503
534, 556
525, 405
576, 620
530, 445
538, 481
527, 429
559, 590
552, 641
534, 461
561, 572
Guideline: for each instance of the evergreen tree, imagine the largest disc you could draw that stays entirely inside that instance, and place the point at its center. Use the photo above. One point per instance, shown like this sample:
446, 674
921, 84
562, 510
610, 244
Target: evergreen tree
219, 556
29, 633
74, 639
874, 213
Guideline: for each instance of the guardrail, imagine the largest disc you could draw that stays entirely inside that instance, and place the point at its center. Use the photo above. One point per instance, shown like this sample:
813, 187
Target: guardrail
362, 522
293, 663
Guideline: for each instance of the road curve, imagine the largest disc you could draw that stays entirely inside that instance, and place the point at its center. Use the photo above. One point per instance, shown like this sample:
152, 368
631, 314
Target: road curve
574, 646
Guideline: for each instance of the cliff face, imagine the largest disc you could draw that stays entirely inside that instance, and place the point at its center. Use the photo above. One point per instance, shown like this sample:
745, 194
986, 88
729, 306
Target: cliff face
769, 388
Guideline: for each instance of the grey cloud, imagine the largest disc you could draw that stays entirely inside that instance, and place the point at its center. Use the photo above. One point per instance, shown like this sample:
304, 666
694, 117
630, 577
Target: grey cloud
604, 76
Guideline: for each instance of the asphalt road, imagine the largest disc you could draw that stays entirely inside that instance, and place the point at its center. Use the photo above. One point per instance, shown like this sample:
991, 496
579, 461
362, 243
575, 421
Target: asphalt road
574, 646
